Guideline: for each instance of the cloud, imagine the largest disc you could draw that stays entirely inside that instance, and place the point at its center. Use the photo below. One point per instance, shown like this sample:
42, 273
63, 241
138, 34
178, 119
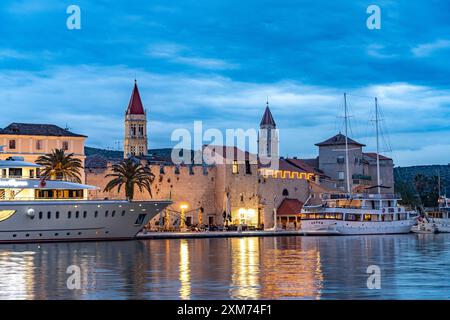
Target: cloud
13, 54
33, 6
378, 51
92, 101
427, 49
175, 53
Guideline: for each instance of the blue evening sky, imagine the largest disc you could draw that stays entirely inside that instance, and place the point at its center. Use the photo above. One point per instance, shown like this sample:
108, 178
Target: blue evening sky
218, 61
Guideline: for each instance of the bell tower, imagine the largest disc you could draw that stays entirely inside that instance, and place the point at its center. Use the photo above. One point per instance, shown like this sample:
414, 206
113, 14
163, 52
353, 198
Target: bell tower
135, 143
268, 136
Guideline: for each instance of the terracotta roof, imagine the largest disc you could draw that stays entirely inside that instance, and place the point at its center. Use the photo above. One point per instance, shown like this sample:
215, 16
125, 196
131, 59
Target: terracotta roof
303, 165
338, 139
314, 162
135, 105
31, 129
231, 153
373, 155
290, 207
267, 119
287, 166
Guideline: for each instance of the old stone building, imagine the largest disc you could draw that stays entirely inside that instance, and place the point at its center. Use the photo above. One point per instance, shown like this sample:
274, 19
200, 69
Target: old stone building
31, 141
362, 166
233, 187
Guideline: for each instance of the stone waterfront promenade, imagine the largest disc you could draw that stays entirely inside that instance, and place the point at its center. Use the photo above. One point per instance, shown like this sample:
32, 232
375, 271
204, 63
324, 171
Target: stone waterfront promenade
217, 234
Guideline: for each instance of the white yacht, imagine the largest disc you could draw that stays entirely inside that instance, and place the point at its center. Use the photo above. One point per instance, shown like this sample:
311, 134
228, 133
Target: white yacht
35, 210
441, 218
357, 213
344, 214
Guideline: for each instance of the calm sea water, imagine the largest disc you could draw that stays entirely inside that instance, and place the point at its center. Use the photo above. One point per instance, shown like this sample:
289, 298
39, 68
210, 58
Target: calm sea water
412, 267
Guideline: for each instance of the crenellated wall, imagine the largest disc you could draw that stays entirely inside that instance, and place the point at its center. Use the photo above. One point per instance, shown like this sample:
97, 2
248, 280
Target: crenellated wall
194, 187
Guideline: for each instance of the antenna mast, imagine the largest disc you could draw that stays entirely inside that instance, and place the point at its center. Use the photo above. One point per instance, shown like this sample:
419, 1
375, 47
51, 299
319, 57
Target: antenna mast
346, 146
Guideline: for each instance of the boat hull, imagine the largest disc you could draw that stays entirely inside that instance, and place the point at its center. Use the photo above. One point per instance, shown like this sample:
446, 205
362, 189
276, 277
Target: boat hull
76, 220
339, 227
442, 225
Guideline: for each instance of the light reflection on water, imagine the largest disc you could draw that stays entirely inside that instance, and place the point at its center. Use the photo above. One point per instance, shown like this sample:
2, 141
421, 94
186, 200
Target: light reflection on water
412, 266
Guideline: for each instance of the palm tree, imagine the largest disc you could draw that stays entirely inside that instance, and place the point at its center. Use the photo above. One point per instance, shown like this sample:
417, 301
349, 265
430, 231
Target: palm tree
130, 173
58, 165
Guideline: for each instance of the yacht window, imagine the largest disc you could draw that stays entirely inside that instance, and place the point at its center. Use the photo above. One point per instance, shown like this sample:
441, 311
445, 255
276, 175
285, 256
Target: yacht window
330, 216
84, 214
96, 214
113, 213
57, 214
367, 217
123, 213
140, 219
69, 215
15, 172
40, 214
106, 213
77, 214
49, 215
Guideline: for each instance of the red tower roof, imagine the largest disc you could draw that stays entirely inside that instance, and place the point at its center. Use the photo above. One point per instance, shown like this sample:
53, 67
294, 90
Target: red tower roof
267, 118
135, 106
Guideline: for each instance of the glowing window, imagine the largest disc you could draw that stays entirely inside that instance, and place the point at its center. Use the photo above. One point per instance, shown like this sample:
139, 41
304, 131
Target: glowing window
235, 168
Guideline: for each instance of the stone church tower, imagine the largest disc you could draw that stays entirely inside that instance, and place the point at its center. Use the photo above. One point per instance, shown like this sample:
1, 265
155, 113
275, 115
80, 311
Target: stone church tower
135, 143
268, 136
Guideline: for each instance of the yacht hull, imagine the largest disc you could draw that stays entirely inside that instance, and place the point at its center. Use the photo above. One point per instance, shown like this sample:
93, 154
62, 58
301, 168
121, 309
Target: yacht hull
339, 227
442, 225
76, 220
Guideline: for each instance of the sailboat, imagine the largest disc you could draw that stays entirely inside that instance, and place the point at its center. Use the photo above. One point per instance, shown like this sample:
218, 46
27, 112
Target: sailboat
357, 213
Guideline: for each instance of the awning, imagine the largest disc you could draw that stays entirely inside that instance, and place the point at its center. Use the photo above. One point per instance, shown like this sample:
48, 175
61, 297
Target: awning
17, 164
290, 207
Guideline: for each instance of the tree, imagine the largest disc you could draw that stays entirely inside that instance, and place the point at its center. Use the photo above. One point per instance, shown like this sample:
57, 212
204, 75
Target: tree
427, 189
58, 165
129, 174
407, 193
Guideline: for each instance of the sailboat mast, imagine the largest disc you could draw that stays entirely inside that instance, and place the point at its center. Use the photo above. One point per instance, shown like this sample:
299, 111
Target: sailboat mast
378, 146
346, 146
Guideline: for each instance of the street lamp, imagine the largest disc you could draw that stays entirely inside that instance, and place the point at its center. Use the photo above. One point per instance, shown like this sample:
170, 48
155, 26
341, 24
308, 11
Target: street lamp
183, 208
